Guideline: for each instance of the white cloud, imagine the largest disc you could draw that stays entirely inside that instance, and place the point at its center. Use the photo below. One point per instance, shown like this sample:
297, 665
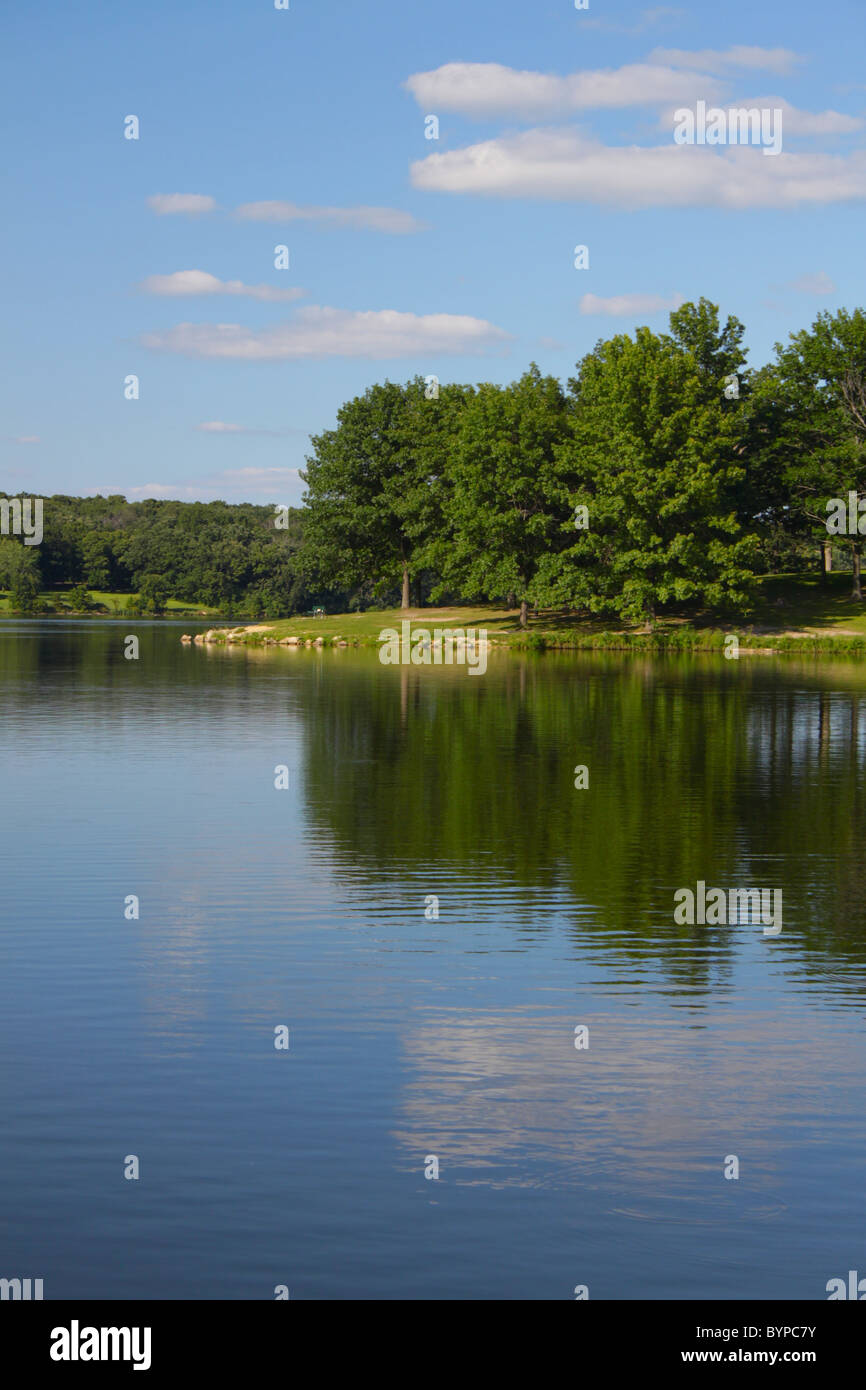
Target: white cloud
170, 204
488, 89
778, 60
819, 283
232, 484
390, 220
794, 120
190, 282
26, 439
325, 332
561, 165
627, 305
220, 427
797, 122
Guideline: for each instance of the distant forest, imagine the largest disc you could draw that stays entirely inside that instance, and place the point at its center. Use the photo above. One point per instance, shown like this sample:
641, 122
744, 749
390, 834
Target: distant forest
665, 474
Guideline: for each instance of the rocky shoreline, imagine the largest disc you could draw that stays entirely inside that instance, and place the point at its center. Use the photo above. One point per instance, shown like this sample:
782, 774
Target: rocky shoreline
221, 636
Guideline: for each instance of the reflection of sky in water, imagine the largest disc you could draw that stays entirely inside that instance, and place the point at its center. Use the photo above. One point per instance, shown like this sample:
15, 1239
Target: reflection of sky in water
647, 1112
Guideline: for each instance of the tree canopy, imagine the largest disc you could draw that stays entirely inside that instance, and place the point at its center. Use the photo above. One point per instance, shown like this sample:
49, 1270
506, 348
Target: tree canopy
665, 472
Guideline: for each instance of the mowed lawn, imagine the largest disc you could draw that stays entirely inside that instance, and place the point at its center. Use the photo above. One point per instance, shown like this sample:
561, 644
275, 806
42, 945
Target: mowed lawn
793, 603
108, 603
784, 604
366, 627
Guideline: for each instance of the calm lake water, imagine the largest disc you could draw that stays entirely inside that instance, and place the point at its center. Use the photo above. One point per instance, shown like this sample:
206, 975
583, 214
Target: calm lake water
413, 1036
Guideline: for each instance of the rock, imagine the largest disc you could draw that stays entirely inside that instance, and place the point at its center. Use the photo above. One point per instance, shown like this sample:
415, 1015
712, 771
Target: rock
186, 638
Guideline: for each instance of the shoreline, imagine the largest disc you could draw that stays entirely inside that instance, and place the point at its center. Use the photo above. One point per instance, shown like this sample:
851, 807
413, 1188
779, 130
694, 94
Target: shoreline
668, 641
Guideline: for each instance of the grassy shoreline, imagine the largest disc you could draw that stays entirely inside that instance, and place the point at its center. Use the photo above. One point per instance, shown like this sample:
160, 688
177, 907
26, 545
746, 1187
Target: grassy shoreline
103, 604
672, 640
793, 614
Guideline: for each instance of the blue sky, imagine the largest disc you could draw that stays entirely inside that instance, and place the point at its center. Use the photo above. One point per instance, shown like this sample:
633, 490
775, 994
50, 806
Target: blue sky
407, 255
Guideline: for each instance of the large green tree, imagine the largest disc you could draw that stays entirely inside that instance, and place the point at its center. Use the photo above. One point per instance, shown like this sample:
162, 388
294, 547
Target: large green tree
375, 485
505, 504
813, 401
653, 461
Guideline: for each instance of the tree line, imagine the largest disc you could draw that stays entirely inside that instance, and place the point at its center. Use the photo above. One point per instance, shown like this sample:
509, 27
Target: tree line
665, 473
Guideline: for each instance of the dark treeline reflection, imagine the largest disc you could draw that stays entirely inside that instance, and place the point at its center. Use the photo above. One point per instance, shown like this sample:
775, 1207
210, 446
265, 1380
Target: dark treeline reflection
741, 774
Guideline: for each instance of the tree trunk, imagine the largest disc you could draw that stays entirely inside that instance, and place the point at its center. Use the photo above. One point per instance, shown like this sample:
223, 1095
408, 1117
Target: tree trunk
856, 591
823, 725
405, 604
523, 612
826, 558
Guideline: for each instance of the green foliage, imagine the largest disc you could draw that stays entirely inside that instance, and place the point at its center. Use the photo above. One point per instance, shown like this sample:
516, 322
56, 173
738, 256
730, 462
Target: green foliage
375, 486
505, 504
219, 555
154, 594
812, 404
20, 574
650, 486
78, 598
652, 459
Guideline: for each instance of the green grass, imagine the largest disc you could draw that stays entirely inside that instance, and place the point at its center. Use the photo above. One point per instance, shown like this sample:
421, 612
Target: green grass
792, 613
365, 627
114, 603
804, 604
106, 604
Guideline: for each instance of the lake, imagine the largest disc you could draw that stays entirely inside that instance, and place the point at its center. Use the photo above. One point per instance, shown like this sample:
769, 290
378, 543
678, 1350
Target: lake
477, 962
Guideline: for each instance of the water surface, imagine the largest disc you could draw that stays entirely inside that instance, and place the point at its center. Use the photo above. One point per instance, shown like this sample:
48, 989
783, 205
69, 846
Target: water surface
413, 1036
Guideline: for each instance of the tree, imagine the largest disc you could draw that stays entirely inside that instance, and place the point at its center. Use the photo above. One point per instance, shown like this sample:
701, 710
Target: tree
815, 394
374, 486
96, 560
79, 598
19, 573
154, 593
505, 505
716, 352
652, 460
